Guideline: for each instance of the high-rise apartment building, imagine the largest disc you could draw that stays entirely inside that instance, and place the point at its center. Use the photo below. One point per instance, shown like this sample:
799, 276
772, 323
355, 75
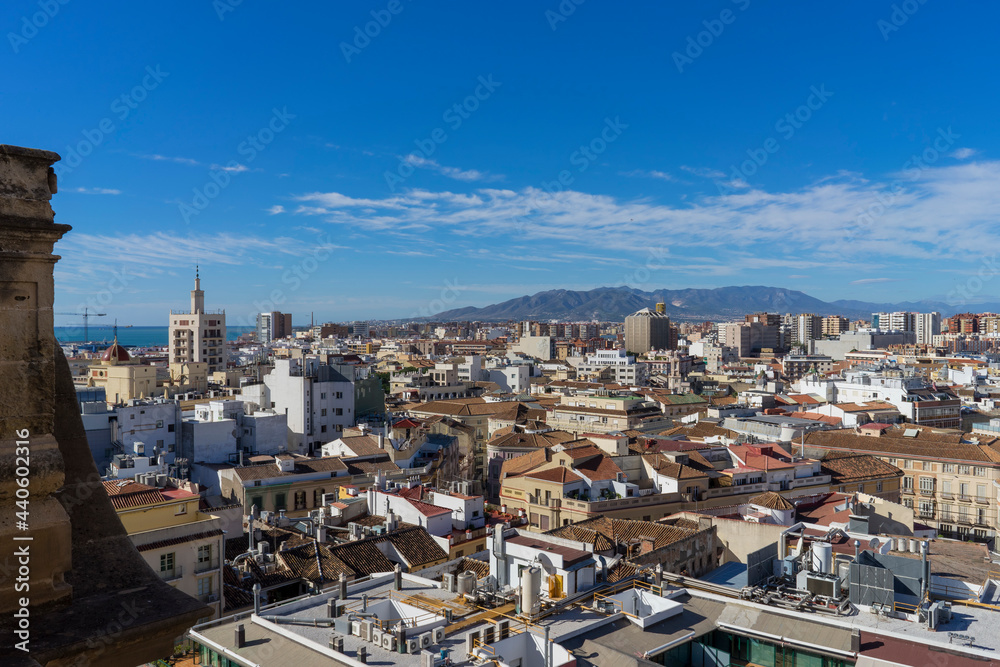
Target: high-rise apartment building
897, 321
833, 325
647, 330
928, 325
198, 335
273, 325
806, 327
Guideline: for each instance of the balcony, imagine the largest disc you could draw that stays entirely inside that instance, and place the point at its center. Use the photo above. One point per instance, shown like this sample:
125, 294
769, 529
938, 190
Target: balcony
927, 492
209, 598
964, 498
982, 500
948, 495
172, 575
207, 566
906, 491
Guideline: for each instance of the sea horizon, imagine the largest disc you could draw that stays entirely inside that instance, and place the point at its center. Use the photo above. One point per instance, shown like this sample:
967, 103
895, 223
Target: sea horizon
132, 336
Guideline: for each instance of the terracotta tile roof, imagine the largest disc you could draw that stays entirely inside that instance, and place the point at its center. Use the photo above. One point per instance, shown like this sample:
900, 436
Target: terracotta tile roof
427, 509
481, 568
598, 468
583, 451
668, 468
772, 501
546, 439
622, 570
460, 408
847, 468
815, 416
301, 561
362, 556
125, 494
303, 465
701, 429
586, 535
925, 444
525, 462
624, 532
161, 544
357, 467
558, 474
363, 445
415, 545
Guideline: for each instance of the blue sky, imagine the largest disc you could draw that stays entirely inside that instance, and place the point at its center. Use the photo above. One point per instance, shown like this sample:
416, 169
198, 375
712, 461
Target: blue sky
310, 167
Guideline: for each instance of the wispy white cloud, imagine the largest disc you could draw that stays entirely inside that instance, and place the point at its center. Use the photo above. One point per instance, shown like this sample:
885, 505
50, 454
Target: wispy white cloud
872, 281
156, 157
235, 167
467, 175
276, 209
963, 153
643, 173
814, 224
704, 172
95, 191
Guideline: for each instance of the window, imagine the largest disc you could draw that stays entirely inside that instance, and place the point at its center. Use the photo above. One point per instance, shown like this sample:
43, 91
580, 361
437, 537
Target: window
167, 562
963, 470
322, 412
258, 501
475, 514
861, 488
205, 554
131, 416
159, 423
926, 508
322, 428
339, 411
908, 502
300, 500
878, 487
927, 467
318, 497
892, 462
979, 472
340, 394
322, 396
205, 586
170, 428
981, 493
279, 501
181, 509
908, 483
926, 485
948, 467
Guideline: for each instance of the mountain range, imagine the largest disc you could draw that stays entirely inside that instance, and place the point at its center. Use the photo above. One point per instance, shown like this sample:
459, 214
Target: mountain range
614, 303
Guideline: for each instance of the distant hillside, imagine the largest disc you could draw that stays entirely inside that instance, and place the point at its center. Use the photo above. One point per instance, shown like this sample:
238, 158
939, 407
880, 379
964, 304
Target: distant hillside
614, 303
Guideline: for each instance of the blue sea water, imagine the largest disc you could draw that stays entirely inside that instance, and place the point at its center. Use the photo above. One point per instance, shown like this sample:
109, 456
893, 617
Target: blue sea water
130, 336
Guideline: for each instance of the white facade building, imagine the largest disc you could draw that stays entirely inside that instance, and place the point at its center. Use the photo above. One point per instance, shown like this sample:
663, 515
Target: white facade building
316, 398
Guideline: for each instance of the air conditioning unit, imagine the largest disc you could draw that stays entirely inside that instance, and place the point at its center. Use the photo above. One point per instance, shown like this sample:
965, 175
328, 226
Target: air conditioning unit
388, 641
213, 597
356, 628
412, 645
377, 637
448, 582
366, 630
438, 635
425, 640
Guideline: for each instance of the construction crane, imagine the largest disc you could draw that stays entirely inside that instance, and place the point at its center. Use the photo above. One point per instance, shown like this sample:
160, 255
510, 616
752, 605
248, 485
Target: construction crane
86, 314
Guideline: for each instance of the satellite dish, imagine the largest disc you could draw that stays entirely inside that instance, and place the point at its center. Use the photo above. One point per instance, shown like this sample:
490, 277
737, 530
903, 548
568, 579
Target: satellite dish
873, 543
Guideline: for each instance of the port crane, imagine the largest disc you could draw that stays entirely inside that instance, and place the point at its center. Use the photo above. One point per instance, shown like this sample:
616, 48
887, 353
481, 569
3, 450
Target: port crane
86, 314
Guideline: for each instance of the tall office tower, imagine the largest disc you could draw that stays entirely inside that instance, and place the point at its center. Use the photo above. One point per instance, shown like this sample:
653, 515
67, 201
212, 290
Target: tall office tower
198, 335
647, 330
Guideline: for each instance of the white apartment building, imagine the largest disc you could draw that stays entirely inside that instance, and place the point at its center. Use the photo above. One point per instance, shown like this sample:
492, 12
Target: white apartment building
911, 395
897, 321
198, 335
621, 367
928, 325
317, 399
154, 423
220, 431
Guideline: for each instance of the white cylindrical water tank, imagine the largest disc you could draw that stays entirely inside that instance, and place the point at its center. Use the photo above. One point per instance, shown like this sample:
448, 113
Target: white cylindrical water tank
467, 582
914, 546
531, 588
822, 557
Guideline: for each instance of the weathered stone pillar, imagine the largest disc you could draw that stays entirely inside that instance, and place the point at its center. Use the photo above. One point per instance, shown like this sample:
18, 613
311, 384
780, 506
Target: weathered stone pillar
27, 386
70, 578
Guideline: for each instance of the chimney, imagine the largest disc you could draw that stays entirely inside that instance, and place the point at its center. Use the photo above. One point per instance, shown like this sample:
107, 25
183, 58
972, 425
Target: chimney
241, 637
381, 441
